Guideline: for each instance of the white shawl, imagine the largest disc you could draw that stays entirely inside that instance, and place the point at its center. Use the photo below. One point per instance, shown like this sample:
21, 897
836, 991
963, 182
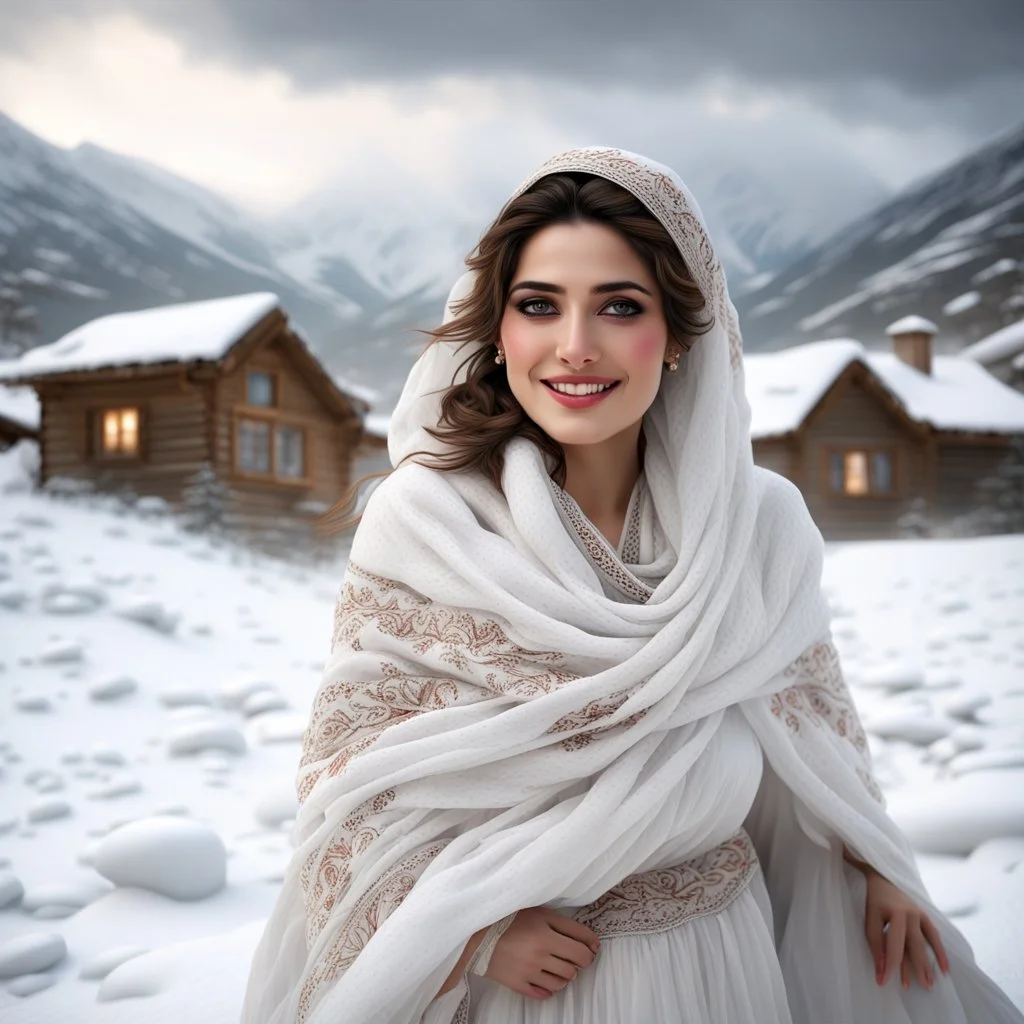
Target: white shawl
563, 723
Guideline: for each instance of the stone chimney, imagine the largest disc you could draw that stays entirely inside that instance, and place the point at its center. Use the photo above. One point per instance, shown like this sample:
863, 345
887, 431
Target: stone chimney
912, 341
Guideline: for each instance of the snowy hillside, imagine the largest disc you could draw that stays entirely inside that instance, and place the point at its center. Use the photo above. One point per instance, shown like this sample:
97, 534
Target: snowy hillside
950, 248
84, 233
154, 688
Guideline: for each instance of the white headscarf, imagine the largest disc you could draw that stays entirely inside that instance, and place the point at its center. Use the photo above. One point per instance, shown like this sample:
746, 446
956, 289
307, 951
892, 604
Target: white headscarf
568, 737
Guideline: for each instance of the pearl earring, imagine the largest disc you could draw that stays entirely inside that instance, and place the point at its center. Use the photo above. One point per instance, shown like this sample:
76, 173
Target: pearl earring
500, 357
673, 364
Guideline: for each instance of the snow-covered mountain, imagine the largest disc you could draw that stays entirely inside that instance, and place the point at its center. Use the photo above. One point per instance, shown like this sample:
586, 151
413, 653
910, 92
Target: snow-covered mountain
763, 216
84, 233
950, 247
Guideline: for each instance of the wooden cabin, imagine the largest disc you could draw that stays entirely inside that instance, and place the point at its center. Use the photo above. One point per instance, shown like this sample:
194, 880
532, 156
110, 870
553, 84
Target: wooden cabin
864, 434
19, 416
223, 394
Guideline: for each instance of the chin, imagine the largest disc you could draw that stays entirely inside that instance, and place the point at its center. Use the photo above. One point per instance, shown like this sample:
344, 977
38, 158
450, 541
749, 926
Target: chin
577, 434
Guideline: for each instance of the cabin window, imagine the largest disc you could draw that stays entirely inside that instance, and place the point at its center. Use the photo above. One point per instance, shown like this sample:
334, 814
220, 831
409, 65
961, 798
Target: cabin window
859, 473
259, 388
276, 451
119, 432
253, 446
290, 452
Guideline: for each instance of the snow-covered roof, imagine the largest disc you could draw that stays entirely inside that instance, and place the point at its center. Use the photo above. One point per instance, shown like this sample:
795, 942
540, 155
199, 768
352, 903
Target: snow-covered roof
957, 395
21, 406
377, 424
1004, 343
183, 332
912, 324
783, 387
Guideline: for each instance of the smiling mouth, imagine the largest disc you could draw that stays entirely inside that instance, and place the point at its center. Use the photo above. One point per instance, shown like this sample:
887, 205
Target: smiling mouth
580, 389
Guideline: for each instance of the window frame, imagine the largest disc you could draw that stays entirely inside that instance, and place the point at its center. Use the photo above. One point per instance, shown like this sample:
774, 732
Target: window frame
870, 450
97, 449
274, 420
275, 388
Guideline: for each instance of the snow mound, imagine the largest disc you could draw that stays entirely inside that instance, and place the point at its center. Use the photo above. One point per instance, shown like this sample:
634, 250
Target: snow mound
148, 612
72, 599
99, 966
192, 737
112, 689
76, 894
31, 953
176, 857
279, 727
49, 809
183, 695
30, 984
964, 812
11, 889
276, 808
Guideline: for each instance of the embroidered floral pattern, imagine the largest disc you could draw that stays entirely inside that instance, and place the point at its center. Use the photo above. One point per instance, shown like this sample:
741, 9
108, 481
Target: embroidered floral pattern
819, 698
661, 194
657, 901
359, 925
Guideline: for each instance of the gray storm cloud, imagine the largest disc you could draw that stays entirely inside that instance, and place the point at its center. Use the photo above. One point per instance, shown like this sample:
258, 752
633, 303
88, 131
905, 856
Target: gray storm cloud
918, 46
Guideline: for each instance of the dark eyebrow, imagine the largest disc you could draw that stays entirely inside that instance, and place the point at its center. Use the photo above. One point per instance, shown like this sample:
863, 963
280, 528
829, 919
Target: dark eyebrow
601, 289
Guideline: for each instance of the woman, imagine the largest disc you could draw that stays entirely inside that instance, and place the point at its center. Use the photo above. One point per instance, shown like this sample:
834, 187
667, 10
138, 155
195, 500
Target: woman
583, 751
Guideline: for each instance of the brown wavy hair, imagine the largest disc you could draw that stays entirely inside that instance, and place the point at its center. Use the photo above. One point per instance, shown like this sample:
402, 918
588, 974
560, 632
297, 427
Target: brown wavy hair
481, 415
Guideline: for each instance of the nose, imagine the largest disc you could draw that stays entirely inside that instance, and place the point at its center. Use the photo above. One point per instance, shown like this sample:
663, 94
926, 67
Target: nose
577, 345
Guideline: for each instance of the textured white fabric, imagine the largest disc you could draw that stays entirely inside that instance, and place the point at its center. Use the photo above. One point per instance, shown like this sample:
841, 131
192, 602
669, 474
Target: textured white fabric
572, 738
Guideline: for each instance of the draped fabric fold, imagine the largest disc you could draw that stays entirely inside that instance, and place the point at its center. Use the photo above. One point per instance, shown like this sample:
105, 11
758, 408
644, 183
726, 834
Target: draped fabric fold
515, 714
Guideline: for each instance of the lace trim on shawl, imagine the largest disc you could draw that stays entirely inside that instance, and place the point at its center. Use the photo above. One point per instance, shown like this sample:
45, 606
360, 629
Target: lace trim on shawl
659, 192
601, 555
657, 901
818, 698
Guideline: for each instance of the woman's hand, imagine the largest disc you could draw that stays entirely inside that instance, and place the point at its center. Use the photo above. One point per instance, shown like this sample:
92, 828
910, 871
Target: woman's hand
541, 952
897, 930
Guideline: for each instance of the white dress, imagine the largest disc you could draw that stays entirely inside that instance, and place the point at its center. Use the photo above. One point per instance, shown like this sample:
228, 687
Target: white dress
700, 940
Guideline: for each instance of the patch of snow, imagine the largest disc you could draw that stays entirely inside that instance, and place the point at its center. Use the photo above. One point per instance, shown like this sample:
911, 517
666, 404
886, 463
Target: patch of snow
783, 387
997, 269
912, 324
151, 613
206, 734
113, 688
994, 348
19, 405
31, 953
961, 303
188, 331
176, 857
99, 966
11, 889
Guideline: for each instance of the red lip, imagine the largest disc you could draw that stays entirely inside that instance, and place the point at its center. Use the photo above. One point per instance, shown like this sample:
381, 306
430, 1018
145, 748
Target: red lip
580, 379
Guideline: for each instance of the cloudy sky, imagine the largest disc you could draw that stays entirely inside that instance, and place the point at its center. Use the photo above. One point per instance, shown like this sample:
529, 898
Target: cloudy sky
270, 101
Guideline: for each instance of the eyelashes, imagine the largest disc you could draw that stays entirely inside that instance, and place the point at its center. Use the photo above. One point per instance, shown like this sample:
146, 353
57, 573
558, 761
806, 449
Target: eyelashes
632, 308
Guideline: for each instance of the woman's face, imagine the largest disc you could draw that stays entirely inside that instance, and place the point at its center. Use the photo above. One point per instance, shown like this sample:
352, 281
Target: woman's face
584, 333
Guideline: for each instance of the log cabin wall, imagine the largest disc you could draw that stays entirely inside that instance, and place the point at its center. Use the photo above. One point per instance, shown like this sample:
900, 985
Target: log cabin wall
853, 418
265, 501
961, 466
172, 432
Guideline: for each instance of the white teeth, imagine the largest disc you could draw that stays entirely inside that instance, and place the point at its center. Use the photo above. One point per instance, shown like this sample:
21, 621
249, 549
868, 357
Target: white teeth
581, 389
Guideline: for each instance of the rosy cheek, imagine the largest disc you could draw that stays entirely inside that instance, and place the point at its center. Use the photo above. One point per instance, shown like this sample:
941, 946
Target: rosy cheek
517, 339
647, 346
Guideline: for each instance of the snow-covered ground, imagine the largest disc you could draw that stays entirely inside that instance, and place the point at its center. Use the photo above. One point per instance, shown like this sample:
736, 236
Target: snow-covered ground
153, 691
